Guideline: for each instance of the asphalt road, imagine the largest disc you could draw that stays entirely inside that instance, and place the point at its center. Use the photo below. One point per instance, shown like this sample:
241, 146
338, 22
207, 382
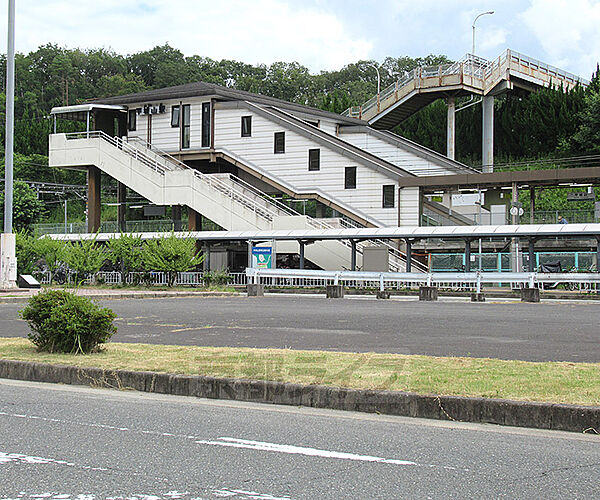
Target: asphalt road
63, 442
551, 331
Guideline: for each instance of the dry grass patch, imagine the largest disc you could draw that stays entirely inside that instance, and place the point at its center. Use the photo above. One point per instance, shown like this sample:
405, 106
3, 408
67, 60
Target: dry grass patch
557, 382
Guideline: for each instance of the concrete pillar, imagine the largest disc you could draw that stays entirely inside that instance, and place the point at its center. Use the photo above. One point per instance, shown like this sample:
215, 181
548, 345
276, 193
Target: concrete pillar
94, 203
122, 207
176, 215
428, 293
335, 291
194, 220
301, 243
488, 134
408, 255
353, 255
255, 290
530, 294
451, 128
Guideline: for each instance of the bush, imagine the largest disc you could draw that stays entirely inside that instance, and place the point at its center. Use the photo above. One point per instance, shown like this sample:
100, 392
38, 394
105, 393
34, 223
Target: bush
216, 278
64, 322
171, 255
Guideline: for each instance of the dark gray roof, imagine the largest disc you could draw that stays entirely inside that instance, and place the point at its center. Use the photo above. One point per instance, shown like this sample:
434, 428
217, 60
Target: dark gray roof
197, 89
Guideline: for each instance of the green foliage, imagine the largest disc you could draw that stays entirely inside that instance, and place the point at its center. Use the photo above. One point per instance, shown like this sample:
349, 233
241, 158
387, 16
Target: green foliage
27, 208
51, 251
64, 322
587, 137
216, 278
171, 255
27, 252
84, 257
126, 252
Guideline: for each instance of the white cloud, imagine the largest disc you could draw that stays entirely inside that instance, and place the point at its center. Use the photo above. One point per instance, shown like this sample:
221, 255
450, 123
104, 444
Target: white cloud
259, 31
568, 30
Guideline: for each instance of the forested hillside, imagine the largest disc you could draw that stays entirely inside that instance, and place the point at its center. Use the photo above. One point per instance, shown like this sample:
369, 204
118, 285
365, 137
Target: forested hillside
546, 124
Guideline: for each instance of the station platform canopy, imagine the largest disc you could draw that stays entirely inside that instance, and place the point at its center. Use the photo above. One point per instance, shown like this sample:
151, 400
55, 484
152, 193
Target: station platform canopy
80, 112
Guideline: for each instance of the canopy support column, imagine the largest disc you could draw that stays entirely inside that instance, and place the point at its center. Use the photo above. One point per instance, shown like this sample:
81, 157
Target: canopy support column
93, 201
353, 256
408, 255
467, 255
301, 243
122, 206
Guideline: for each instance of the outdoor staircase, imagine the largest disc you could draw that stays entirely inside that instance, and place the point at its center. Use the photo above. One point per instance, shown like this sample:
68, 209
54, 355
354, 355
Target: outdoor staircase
471, 75
225, 199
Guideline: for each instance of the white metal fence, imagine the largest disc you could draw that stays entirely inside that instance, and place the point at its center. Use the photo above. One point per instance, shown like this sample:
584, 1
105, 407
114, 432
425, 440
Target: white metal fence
395, 281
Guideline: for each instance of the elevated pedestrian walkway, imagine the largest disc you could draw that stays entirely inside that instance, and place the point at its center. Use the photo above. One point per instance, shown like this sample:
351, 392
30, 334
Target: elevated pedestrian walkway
223, 198
471, 75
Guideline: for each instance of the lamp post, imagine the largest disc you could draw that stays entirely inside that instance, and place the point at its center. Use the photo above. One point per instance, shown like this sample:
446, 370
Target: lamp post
378, 84
8, 261
474, 21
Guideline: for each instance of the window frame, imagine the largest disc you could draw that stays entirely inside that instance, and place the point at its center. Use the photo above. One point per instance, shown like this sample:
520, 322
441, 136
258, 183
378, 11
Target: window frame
175, 111
352, 171
132, 120
186, 123
384, 198
248, 120
312, 161
280, 135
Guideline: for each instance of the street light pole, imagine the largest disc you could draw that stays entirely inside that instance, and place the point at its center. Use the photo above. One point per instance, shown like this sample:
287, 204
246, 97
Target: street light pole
378, 84
8, 260
474, 21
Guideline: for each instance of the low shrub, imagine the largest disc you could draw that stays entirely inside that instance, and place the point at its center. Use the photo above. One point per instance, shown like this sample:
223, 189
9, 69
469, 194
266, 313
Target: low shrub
216, 278
65, 322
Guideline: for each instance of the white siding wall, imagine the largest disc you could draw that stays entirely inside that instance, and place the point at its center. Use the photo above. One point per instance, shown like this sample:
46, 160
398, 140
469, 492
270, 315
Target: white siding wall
409, 200
164, 136
292, 166
396, 155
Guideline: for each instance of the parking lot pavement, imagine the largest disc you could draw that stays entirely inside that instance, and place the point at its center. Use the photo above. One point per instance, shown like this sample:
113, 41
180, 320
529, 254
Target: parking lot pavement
503, 329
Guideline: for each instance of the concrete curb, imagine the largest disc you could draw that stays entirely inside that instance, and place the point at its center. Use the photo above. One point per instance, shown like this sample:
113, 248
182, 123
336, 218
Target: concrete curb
130, 295
480, 410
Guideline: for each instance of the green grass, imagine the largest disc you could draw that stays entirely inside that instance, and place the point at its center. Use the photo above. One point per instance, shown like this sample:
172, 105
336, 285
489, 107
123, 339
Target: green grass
556, 382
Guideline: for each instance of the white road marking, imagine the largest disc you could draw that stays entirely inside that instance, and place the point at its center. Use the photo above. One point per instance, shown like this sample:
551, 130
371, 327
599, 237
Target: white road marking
170, 495
300, 450
6, 458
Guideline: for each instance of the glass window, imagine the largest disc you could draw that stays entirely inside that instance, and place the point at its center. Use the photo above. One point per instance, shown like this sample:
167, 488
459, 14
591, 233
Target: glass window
185, 132
279, 142
314, 159
174, 116
131, 119
206, 119
246, 126
389, 194
350, 178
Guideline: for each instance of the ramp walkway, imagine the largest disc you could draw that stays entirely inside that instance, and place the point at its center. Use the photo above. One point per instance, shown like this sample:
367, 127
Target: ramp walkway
225, 199
471, 75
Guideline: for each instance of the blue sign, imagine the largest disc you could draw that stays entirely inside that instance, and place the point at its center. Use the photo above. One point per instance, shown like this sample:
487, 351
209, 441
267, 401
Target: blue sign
262, 257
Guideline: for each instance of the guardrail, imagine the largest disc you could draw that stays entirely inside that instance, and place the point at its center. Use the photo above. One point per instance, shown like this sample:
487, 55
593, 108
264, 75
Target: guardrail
383, 281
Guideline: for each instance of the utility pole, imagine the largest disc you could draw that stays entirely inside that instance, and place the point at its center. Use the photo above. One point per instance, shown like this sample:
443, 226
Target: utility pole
8, 259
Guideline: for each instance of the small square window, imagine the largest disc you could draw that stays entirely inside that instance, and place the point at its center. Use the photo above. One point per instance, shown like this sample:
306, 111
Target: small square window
279, 142
389, 195
350, 178
131, 120
174, 116
314, 159
246, 126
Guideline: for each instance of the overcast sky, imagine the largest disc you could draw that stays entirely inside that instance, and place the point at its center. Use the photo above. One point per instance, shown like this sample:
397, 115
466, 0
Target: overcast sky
320, 34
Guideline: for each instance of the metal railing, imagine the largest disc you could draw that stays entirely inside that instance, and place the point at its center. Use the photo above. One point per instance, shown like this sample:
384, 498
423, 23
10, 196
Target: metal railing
473, 66
384, 281
232, 187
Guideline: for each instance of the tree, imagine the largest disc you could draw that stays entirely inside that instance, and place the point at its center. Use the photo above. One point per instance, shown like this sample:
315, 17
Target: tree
171, 255
85, 257
126, 252
27, 208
